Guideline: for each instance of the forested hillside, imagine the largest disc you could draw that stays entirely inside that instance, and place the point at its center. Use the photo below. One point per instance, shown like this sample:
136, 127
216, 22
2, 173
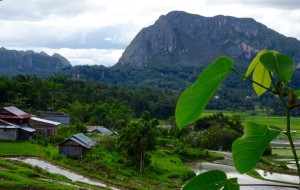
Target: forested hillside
13, 62
161, 61
112, 103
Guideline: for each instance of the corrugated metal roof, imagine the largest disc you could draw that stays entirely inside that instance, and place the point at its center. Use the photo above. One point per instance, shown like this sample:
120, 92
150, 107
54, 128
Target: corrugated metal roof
104, 131
81, 139
44, 121
90, 129
7, 125
84, 139
29, 129
15, 111
79, 142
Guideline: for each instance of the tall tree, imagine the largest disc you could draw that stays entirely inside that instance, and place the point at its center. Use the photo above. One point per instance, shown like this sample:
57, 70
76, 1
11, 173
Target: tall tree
138, 138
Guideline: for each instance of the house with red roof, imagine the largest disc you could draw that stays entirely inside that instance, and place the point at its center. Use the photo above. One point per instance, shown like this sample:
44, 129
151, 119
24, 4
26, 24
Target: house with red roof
14, 115
25, 126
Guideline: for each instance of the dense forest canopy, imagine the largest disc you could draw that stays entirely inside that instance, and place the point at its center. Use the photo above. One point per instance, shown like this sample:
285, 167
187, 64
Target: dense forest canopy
95, 102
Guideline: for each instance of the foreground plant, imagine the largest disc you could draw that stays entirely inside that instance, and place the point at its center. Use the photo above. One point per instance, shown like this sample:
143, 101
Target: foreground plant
272, 72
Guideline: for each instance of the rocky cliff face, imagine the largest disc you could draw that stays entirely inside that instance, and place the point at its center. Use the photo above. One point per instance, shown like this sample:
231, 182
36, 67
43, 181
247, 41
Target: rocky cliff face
14, 62
183, 38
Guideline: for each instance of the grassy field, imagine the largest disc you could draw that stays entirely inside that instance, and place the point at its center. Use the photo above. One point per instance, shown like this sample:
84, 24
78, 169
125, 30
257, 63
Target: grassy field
279, 121
14, 176
275, 120
284, 152
166, 172
18, 175
26, 148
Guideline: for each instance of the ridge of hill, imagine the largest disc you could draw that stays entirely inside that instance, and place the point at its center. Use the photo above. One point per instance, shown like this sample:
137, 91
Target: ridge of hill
13, 62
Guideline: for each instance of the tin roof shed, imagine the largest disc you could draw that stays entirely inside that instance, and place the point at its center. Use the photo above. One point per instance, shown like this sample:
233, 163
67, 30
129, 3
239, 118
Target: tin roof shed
76, 146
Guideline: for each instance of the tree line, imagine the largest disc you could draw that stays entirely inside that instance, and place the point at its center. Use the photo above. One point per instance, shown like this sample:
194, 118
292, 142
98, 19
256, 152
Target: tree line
83, 99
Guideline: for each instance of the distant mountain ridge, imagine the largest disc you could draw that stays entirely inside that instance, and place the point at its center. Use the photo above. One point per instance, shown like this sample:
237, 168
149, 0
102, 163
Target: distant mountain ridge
171, 53
13, 62
183, 38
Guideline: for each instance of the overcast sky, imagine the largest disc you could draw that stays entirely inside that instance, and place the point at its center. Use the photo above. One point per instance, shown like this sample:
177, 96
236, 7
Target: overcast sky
96, 32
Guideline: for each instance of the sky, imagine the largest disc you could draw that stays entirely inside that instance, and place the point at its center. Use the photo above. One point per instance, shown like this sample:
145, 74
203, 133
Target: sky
96, 32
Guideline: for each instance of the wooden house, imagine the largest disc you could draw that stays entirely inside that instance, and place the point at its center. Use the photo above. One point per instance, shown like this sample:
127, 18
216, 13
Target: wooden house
8, 131
12, 132
76, 146
44, 127
14, 115
100, 130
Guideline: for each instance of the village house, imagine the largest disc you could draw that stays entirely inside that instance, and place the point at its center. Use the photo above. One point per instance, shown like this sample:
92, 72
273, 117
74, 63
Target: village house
76, 146
44, 127
100, 130
12, 132
24, 125
14, 115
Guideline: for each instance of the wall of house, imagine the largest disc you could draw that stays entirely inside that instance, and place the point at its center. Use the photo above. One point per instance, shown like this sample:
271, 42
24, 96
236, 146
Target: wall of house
44, 129
8, 134
25, 135
55, 116
72, 149
63, 119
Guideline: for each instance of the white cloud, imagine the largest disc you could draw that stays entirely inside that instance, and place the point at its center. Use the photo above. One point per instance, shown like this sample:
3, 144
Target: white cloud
106, 57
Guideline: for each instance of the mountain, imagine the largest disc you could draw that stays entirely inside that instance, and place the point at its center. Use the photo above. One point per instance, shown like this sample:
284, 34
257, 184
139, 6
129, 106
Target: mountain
189, 39
14, 62
171, 53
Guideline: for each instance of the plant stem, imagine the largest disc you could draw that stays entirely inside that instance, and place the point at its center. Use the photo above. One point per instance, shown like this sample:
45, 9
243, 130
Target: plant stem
288, 134
288, 127
246, 78
288, 123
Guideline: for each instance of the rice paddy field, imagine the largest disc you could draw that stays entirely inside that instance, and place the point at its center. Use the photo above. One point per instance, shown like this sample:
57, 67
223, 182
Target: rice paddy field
279, 121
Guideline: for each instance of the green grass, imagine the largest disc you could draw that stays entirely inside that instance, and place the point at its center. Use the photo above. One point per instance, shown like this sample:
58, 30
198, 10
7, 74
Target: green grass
225, 112
99, 164
25, 148
17, 175
279, 121
169, 168
275, 120
284, 152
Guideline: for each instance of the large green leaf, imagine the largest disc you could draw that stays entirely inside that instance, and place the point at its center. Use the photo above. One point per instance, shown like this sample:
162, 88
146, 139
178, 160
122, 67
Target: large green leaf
261, 75
281, 65
247, 149
297, 92
255, 62
212, 180
195, 98
232, 184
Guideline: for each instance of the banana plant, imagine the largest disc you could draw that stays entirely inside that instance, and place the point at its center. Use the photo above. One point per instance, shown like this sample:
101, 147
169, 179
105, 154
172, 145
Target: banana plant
271, 71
